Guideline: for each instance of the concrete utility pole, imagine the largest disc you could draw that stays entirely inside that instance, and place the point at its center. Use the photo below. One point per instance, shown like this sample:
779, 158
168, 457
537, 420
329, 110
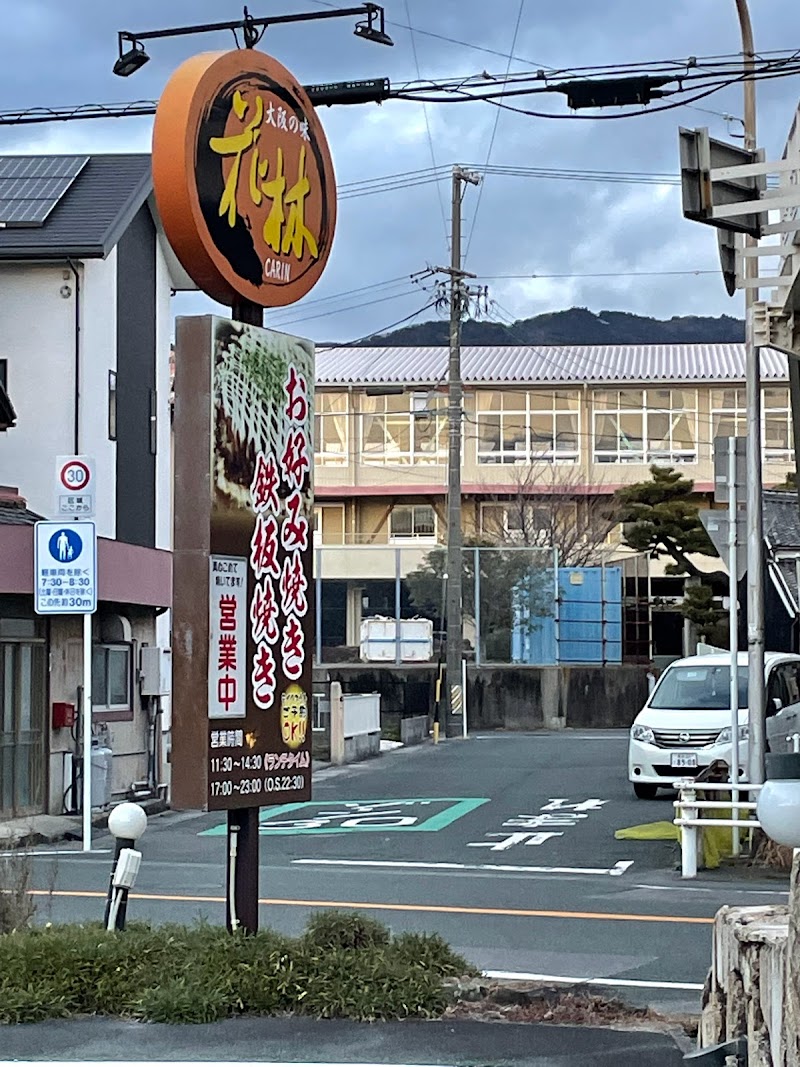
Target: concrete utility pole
458, 299
755, 523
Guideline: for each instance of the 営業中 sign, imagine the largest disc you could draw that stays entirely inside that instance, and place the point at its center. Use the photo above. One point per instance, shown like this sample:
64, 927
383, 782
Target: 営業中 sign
74, 487
243, 178
65, 568
227, 695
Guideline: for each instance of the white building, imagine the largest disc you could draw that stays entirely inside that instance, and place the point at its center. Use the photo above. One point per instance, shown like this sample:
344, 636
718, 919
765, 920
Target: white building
85, 284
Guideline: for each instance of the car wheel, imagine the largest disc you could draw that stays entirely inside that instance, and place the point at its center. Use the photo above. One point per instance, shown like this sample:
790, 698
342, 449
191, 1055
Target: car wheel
644, 790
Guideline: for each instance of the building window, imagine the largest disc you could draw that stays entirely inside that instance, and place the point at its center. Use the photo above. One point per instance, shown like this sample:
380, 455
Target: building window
412, 522
526, 427
404, 428
729, 419
528, 523
328, 525
776, 425
111, 678
331, 429
728, 414
645, 425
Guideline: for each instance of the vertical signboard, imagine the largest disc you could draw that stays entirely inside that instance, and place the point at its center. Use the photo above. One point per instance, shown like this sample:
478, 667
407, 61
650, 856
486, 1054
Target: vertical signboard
243, 508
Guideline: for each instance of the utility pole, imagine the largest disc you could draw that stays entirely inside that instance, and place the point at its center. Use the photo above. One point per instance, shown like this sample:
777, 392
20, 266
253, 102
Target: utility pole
755, 523
459, 297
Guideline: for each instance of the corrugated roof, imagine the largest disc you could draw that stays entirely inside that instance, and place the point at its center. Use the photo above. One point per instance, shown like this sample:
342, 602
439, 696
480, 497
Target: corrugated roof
523, 364
91, 216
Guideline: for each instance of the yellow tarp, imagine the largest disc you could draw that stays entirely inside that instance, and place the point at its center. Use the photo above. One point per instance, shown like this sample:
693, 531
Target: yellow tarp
716, 840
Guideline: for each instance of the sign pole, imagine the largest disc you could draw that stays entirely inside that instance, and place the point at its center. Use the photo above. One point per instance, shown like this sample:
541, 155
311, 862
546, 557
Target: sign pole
733, 625
87, 733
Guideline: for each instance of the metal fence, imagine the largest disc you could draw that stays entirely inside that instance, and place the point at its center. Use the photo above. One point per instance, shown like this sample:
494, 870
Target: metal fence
520, 606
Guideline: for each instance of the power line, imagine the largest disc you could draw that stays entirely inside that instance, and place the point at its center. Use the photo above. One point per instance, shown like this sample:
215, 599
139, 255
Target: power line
428, 129
604, 274
494, 134
375, 333
451, 40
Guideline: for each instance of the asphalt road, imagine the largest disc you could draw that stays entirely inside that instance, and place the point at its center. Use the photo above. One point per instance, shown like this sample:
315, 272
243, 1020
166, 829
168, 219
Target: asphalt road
503, 843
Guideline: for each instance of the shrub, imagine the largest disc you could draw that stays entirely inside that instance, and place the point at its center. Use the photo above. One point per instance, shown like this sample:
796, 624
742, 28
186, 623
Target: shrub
345, 930
344, 965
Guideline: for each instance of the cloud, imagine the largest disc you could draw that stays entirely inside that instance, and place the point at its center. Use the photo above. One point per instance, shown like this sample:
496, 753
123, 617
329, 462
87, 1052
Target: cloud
52, 54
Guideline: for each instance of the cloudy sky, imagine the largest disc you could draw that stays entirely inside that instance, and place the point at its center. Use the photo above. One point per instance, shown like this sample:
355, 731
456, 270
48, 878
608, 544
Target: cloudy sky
57, 54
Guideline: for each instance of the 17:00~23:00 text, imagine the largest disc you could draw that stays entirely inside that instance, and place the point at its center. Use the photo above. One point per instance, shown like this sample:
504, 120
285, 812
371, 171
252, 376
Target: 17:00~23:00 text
250, 786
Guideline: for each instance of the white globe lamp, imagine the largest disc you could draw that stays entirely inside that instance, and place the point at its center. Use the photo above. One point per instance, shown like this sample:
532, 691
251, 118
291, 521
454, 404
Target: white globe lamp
127, 822
778, 807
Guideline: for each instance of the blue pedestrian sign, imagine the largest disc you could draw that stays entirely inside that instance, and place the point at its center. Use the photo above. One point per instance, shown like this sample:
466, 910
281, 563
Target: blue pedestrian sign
65, 568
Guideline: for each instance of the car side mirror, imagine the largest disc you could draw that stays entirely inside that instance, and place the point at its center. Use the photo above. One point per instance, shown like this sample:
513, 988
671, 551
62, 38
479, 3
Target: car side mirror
778, 703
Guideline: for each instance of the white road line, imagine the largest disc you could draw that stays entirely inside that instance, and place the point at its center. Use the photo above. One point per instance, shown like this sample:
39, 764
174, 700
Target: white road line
619, 868
622, 983
721, 888
55, 852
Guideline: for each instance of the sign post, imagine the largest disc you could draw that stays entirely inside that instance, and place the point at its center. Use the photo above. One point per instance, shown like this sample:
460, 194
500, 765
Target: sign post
65, 583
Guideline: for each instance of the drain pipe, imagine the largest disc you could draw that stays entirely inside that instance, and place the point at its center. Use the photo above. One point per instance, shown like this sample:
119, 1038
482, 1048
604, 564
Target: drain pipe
76, 429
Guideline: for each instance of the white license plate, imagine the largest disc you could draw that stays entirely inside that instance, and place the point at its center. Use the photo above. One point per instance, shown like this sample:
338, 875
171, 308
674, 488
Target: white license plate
684, 759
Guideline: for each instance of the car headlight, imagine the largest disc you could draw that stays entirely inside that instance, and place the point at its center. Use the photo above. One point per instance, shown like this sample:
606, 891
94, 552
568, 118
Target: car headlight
642, 733
724, 737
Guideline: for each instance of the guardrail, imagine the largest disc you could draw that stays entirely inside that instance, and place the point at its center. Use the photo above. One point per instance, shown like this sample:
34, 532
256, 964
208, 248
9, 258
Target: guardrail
691, 819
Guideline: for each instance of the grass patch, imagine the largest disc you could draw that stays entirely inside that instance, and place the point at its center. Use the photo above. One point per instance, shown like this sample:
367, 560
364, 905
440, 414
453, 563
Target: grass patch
343, 966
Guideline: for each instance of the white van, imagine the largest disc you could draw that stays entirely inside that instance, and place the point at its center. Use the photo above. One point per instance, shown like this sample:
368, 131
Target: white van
686, 723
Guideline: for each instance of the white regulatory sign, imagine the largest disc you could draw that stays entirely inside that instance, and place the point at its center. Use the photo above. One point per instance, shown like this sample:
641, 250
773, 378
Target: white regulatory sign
74, 495
65, 568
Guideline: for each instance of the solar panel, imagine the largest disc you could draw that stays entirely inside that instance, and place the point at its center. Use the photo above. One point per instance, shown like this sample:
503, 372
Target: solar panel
31, 186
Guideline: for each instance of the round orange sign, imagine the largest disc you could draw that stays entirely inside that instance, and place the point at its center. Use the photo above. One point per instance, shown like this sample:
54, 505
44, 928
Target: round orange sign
243, 178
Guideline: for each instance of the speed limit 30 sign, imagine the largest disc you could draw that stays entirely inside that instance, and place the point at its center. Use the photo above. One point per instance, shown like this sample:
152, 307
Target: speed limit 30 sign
75, 487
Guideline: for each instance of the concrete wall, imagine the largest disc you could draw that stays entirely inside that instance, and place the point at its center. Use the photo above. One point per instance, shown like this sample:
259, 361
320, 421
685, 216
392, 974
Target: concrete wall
128, 738
509, 698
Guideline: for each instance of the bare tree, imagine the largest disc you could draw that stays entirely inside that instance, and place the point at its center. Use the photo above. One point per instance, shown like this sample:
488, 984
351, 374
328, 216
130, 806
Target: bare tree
548, 505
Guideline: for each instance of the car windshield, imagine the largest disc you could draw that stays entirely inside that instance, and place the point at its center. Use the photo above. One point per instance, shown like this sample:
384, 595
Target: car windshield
697, 687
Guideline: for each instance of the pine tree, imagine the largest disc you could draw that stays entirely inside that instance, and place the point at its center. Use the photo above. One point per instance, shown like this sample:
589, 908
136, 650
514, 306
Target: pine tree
660, 517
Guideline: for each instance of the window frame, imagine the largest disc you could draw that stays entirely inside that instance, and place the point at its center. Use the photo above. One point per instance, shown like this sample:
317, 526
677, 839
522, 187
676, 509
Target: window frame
419, 404
322, 457
648, 408
527, 455
105, 711
414, 538
739, 416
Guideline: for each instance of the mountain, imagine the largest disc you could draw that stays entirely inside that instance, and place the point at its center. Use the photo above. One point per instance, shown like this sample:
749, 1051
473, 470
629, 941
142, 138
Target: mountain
577, 326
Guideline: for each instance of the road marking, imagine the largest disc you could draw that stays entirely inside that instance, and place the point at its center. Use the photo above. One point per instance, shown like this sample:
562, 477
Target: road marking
445, 909
57, 852
716, 889
353, 816
621, 983
619, 868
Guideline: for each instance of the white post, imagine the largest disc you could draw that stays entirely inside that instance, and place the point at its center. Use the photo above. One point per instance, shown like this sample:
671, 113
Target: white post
689, 835
464, 698
733, 621
87, 733
337, 724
